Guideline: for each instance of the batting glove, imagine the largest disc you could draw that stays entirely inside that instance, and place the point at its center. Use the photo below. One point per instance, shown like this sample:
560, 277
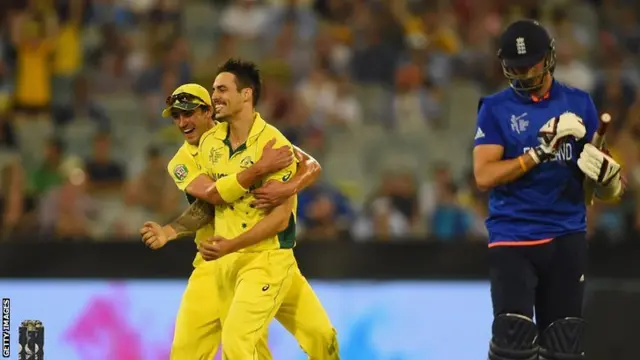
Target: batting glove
598, 166
555, 132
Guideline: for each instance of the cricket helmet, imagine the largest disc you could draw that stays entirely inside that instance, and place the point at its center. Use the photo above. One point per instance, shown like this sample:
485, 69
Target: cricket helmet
523, 45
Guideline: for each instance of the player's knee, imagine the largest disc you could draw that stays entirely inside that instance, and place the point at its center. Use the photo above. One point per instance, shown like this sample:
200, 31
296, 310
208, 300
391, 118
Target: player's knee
513, 338
564, 339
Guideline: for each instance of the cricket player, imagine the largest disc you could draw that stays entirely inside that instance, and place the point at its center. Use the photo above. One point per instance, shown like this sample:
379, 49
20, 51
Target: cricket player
198, 328
259, 277
532, 151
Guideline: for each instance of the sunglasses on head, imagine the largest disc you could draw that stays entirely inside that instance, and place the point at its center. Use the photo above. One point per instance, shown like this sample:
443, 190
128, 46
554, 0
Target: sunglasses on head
183, 98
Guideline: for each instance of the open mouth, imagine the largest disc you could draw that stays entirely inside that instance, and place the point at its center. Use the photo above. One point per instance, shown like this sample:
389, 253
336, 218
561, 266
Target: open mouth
218, 105
188, 131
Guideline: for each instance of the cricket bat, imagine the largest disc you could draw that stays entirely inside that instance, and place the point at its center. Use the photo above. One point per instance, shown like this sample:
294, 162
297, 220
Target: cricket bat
597, 141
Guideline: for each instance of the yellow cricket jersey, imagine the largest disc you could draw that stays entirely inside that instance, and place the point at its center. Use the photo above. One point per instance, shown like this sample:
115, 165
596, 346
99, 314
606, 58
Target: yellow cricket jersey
68, 53
33, 76
184, 168
220, 160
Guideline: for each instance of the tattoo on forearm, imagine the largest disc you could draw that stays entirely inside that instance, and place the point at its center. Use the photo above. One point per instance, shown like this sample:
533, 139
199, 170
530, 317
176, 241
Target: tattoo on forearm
199, 214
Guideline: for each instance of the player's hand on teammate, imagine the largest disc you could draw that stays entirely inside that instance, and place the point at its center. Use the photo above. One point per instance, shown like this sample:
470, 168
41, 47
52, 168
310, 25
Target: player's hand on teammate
153, 235
274, 159
214, 248
272, 194
555, 132
598, 165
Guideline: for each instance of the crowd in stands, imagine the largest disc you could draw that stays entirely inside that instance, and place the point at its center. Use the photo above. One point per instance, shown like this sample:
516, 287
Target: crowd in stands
382, 92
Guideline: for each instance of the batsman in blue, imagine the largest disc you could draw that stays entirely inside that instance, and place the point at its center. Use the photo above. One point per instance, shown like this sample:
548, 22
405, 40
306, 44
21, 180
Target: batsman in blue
533, 153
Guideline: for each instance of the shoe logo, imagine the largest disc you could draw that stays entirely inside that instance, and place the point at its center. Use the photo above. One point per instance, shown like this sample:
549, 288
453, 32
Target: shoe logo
265, 288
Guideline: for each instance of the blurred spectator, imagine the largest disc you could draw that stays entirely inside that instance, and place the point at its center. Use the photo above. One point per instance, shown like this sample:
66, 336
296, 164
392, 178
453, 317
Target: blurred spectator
290, 52
476, 205
442, 178
104, 174
393, 212
159, 80
12, 190
628, 30
318, 93
245, 19
571, 70
48, 175
67, 211
205, 68
324, 213
449, 220
82, 106
33, 35
415, 101
153, 190
614, 93
568, 32
164, 18
374, 61
347, 111
111, 72
155, 99
68, 56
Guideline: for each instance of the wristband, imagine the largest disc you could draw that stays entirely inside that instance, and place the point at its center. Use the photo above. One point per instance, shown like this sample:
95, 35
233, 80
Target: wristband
230, 189
522, 164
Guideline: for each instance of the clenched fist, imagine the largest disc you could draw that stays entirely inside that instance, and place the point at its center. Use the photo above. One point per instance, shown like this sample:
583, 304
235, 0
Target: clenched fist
153, 235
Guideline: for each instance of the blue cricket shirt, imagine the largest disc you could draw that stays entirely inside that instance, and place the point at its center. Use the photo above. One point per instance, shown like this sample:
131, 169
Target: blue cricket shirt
548, 201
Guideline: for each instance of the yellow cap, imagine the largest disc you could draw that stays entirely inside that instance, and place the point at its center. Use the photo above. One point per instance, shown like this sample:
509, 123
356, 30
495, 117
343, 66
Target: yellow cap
187, 97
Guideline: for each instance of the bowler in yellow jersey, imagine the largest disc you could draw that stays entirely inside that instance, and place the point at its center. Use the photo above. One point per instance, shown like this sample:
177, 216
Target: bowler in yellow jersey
198, 328
259, 278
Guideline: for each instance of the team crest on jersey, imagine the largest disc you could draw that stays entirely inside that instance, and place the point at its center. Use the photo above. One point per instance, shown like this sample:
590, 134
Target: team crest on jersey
180, 172
214, 156
246, 162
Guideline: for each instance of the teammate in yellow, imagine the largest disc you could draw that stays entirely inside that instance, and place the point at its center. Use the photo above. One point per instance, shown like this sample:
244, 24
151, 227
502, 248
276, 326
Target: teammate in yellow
258, 277
198, 328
